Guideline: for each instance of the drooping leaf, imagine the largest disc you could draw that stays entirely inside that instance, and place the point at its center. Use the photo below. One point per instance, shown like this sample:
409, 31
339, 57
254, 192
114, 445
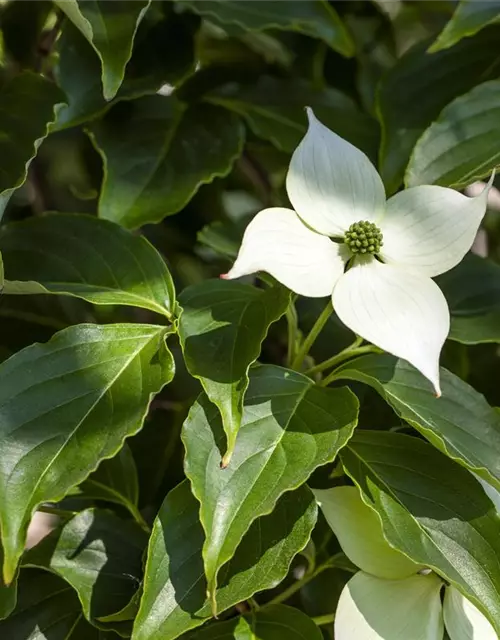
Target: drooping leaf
472, 290
314, 18
460, 423
413, 94
278, 622
83, 256
110, 28
463, 144
221, 328
470, 17
289, 428
27, 108
174, 599
275, 110
99, 555
64, 407
431, 509
157, 153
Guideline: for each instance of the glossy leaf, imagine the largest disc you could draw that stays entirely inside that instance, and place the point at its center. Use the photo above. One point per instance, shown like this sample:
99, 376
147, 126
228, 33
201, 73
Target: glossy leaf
28, 104
273, 623
289, 428
413, 94
64, 407
275, 110
460, 423
8, 594
110, 28
174, 599
88, 258
462, 145
470, 17
314, 18
99, 555
222, 327
157, 153
432, 510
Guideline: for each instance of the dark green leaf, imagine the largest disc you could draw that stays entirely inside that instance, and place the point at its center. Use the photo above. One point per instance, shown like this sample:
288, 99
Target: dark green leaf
99, 555
27, 108
274, 623
472, 290
432, 510
88, 258
460, 423
289, 428
315, 18
463, 144
64, 407
22, 24
413, 94
110, 28
275, 110
174, 599
157, 153
470, 17
222, 327
8, 594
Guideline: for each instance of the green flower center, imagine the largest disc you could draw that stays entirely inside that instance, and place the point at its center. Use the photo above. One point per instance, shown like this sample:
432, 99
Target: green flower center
363, 237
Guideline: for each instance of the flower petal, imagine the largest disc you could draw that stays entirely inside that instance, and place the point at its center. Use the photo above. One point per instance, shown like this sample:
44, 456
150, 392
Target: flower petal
429, 229
359, 533
463, 620
400, 312
374, 609
278, 242
330, 183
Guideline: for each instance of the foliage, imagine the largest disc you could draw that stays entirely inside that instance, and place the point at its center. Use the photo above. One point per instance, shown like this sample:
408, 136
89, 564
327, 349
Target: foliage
183, 429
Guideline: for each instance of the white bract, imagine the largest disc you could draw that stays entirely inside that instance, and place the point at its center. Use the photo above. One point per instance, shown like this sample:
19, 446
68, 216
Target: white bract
386, 296
391, 597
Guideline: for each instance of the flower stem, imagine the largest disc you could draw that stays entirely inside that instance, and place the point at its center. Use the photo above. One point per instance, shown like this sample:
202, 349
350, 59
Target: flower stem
293, 328
312, 335
327, 364
347, 354
324, 620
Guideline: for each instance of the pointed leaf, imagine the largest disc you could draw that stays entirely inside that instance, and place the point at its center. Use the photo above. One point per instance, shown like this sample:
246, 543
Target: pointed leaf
55, 399
110, 27
8, 594
273, 623
462, 145
432, 510
174, 599
470, 17
460, 423
290, 427
315, 18
50, 254
221, 329
157, 153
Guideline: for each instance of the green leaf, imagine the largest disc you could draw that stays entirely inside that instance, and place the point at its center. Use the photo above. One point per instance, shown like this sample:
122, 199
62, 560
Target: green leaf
8, 594
314, 18
413, 94
157, 153
472, 290
83, 256
221, 328
470, 17
432, 510
64, 407
273, 623
463, 144
460, 423
27, 108
110, 28
289, 428
99, 555
174, 599
48, 609
275, 110
22, 26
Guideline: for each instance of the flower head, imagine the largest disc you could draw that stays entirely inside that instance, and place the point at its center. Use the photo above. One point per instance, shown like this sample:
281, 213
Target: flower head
391, 248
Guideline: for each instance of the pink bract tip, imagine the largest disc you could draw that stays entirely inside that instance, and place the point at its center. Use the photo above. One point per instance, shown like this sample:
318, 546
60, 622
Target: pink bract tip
224, 276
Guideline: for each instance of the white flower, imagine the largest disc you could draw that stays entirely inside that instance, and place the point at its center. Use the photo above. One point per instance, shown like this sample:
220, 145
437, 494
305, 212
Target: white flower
391, 597
386, 296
